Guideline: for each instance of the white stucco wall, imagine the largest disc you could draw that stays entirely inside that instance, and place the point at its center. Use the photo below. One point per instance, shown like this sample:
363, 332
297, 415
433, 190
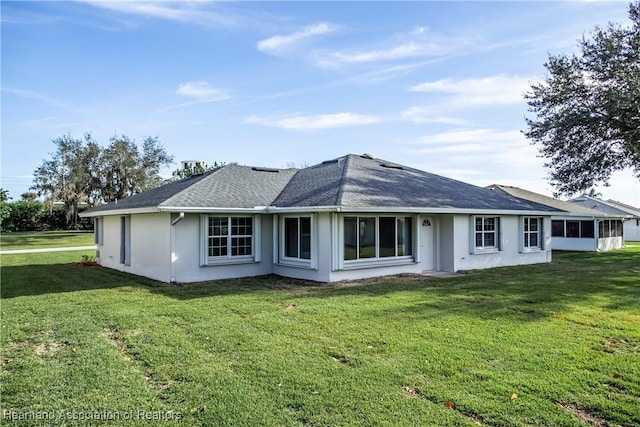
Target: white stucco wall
631, 230
510, 252
186, 254
574, 243
172, 253
149, 245
610, 243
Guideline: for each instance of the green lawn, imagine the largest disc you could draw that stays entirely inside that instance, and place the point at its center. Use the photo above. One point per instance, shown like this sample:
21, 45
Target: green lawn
48, 239
551, 345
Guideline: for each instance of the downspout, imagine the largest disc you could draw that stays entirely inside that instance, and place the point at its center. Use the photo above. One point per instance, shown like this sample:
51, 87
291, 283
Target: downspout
172, 238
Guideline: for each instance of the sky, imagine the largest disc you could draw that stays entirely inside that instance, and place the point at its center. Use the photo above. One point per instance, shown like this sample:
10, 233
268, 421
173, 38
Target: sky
433, 85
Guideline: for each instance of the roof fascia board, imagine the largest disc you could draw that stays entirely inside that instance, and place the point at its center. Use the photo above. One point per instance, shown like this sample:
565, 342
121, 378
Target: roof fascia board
116, 211
204, 210
428, 210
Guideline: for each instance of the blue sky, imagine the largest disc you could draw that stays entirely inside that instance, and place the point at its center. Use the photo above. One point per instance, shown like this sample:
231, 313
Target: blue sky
433, 85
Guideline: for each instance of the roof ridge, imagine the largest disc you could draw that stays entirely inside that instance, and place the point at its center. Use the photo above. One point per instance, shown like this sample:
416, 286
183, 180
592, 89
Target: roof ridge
342, 180
284, 187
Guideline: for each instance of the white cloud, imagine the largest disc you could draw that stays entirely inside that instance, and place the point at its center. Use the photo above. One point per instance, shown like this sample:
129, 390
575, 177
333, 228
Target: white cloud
279, 43
181, 11
484, 136
418, 114
315, 122
418, 43
499, 89
480, 156
202, 91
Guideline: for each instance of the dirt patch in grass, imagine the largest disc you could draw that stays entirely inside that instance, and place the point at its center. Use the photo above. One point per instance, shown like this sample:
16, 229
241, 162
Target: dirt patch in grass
415, 393
411, 392
49, 349
584, 415
290, 307
620, 346
116, 338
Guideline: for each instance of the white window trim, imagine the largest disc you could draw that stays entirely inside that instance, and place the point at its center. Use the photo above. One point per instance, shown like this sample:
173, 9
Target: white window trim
378, 261
541, 239
284, 260
256, 242
478, 250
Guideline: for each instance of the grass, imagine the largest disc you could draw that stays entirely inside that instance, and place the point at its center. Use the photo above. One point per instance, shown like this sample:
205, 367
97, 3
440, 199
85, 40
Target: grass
554, 344
48, 239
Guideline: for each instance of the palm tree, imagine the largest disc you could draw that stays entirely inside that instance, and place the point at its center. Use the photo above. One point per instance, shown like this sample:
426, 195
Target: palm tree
593, 193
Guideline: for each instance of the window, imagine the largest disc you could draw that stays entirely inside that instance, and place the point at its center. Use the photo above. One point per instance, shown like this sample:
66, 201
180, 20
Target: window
610, 228
125, 240
297, 237
587, 229
229, 236
98, 231
374, 237
557, 228
532, 233
572, 228
486, 233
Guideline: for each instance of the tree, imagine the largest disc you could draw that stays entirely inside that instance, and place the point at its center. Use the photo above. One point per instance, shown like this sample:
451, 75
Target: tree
127, 170
190, 170
592, 193
66, 176
29, 196
587, 110
4, 195
81, 171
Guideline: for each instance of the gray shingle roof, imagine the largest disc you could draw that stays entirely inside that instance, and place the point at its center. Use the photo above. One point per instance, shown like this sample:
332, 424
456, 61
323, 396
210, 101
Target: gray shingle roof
545, 200
355, 181
351, 181
227, 187
595, 204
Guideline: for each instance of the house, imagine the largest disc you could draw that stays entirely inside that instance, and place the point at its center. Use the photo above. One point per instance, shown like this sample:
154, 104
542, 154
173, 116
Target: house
631, 215
578, 228
348, 218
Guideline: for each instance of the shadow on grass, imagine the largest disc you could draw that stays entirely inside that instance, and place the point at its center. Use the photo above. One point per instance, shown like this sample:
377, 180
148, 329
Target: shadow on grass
524, 292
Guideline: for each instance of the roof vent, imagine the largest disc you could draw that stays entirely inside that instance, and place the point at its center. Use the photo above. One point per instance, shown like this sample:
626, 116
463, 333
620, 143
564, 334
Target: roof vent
389, 166
368, 156
272, 170
328, 162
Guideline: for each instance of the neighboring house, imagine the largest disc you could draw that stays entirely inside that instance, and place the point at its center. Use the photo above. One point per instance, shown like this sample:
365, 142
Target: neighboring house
348, 218
631, 227
631, 215
578, 228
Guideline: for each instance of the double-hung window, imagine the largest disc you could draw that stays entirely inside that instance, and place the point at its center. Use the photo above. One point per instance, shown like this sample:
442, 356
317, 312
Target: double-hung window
532, 233
486, 234
297, 237
229, 237
377, 237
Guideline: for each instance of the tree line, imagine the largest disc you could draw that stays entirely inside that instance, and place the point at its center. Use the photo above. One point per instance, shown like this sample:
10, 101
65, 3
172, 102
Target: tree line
82, 173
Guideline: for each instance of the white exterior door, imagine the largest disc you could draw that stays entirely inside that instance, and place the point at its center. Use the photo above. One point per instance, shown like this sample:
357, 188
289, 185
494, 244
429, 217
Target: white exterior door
427, 243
